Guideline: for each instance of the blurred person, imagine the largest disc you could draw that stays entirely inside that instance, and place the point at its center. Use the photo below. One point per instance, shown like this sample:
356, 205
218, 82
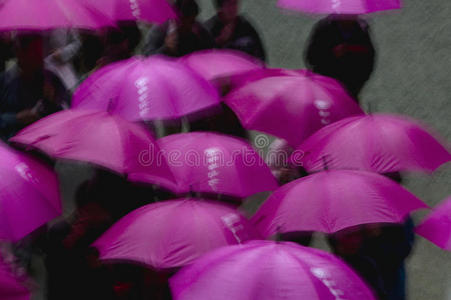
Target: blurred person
73, 271
220, 119
133, 281
233, 31
120, 43
340, 46
277, 159
28, 91
377, 252
62, 45
91, 50
6, 49
179, 37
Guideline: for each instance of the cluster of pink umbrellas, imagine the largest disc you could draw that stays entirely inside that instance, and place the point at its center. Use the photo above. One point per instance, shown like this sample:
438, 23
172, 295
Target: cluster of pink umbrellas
311, 112
82, 14
176, 233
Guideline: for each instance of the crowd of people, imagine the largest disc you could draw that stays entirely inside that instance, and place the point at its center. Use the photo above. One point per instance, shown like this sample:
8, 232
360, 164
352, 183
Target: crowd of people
47, 69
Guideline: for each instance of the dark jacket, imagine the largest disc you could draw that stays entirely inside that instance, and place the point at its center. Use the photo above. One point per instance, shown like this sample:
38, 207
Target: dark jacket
245, 38
344, 53
188, 42
17, 95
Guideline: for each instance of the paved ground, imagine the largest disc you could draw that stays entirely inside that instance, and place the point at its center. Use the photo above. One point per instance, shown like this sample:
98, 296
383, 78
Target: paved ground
412, 77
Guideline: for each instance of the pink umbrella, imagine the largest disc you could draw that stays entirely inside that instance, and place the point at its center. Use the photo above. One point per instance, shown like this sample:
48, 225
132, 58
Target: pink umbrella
99, 138
349, 7
243, 78
152, 11
266, 270
146, 89
437, 226
214, 64
291, 107
333, 200
378, 143
95, 91
50, 14
11, 288
173, 233
30, 194
215, 163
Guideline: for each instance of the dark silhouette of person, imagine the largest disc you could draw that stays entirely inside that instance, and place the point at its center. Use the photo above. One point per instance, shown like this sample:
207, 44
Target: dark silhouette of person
220, 119
377, 252
230, 30
120, 42
73, 266
28, 91
179, 37
340, 46
6, 49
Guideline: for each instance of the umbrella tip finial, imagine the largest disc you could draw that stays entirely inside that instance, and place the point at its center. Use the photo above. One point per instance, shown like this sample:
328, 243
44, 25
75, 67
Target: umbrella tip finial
192, 194
278, 236
325, 164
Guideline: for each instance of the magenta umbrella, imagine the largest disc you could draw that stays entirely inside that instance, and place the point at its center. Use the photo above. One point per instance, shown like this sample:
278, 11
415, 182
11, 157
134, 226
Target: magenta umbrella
29, 194
291, 107
215, 64
333, 200
173, 233
378, 143
50, 14
11, 287
436, 227
216, 163
267, 270
146, 89
349, 7
99, 138
151, 11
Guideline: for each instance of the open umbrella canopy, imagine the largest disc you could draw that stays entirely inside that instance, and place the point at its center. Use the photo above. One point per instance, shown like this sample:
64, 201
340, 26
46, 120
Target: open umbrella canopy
99, 138
436, 227
29, 194
378, 143
333, 200
291, 106
146, 89
11, 287
173, 233
267, 270
150, 11
349, 7
215, 64
50, 14
216, 163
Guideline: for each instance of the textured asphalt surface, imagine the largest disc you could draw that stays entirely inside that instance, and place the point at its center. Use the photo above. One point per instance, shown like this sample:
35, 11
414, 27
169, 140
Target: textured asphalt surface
412, 77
